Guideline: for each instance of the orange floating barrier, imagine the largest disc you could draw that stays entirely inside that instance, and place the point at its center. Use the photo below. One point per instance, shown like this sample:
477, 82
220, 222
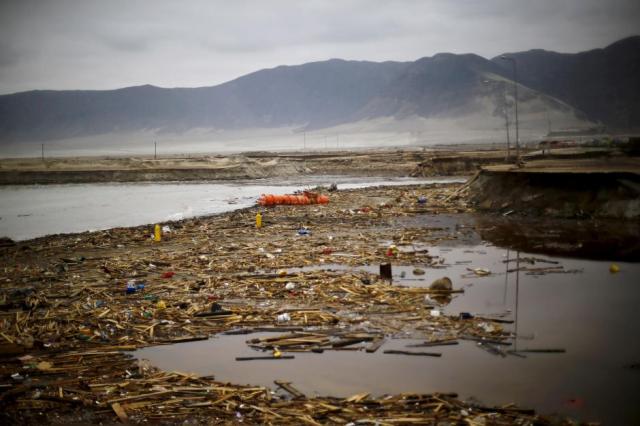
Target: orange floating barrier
289, 199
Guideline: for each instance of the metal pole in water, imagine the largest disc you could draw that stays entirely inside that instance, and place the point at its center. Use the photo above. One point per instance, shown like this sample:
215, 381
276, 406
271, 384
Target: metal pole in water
506, 280
515, 342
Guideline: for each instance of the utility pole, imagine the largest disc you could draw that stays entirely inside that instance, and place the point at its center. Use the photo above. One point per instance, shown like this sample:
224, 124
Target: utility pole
155, 150
42, 152
506, 117
506, 123
515, 87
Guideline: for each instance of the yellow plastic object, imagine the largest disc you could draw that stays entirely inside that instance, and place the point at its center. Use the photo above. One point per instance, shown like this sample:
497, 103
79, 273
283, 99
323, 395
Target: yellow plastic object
277, 353
258, 220
614, 268
161, 304
157, 234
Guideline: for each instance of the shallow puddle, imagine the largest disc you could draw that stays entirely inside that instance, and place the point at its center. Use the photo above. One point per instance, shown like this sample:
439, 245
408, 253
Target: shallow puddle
586, 310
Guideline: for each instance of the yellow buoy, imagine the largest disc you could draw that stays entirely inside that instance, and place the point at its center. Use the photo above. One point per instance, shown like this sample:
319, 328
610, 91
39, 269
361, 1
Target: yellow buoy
258, 220
157, 235
614, 268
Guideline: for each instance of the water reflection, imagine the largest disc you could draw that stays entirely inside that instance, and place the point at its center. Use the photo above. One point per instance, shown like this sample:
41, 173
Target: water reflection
589, 238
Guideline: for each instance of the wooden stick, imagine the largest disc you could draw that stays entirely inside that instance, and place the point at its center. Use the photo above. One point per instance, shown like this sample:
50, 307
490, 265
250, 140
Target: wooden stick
375, 345
395, 352
293, 391
432, 344
257, 358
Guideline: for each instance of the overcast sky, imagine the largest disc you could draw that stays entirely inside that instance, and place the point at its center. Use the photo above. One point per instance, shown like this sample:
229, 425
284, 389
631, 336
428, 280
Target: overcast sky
91, 44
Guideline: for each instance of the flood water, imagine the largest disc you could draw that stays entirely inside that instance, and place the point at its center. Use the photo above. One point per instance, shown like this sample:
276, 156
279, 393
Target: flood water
37, 210
589, 312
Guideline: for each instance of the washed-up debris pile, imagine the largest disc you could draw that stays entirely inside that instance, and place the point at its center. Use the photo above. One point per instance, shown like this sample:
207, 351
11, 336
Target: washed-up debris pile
71, 304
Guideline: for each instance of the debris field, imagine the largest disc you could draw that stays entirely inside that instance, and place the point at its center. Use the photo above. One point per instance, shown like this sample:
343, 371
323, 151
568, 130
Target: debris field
72, 307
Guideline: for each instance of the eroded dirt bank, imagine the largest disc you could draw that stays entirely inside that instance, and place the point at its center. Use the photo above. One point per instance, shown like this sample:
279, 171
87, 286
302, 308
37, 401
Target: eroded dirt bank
569, 189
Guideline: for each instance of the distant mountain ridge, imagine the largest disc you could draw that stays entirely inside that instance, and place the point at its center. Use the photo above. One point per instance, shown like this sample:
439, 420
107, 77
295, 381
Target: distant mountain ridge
601, 85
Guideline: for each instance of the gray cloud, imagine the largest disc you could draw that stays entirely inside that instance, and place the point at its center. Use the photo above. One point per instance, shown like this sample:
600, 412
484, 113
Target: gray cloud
93, 44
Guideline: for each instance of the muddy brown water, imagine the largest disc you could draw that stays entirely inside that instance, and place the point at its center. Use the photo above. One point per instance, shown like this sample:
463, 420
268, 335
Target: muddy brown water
591, 313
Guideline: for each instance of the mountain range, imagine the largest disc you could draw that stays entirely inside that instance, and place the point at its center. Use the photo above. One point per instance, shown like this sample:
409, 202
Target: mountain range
595, 88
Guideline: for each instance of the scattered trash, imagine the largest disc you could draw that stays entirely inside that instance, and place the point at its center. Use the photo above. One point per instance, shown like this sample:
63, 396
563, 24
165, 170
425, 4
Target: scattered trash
284, 317
157, 234
392, 251
422, 200
166, 229
17, 377
290, 286
168, 274
481, 272
418, 271
304, 231
258, 220
614, 268
161, 304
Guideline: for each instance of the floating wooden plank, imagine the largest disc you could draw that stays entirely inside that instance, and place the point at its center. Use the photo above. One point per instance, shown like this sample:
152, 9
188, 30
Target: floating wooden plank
433, 344
542, 350
120, 412
398, 352
289, 388
375, 345
259, 358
